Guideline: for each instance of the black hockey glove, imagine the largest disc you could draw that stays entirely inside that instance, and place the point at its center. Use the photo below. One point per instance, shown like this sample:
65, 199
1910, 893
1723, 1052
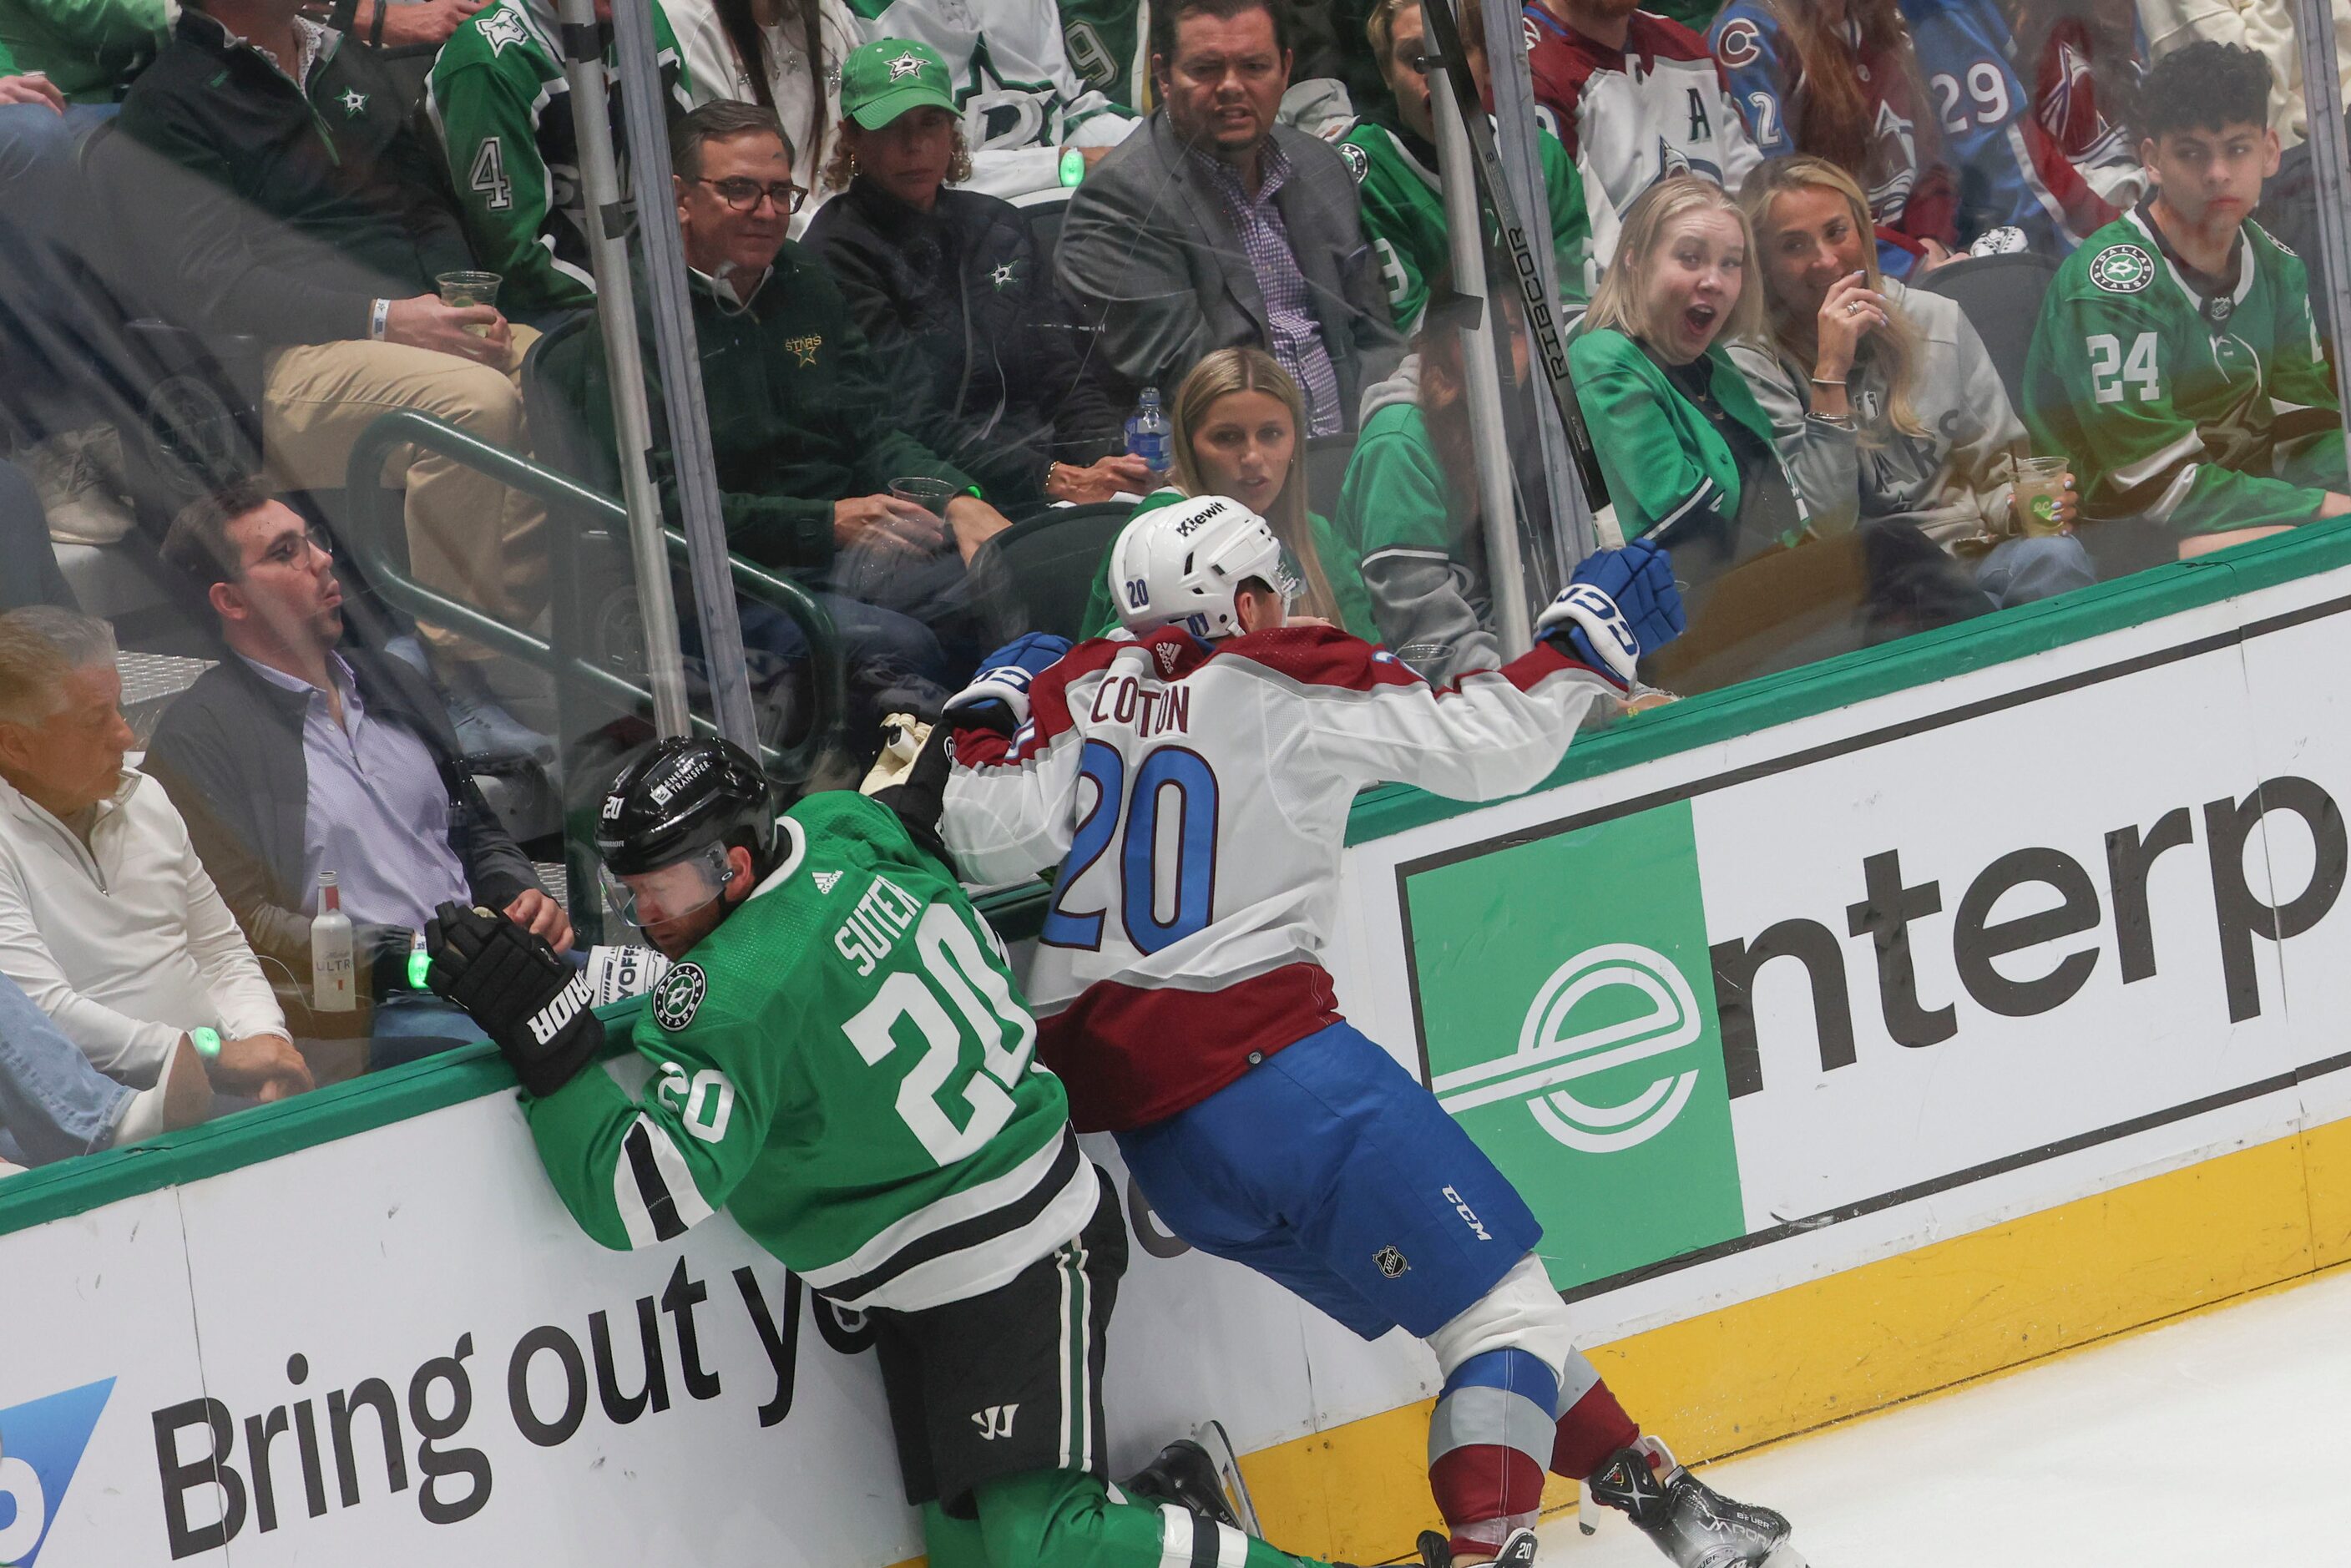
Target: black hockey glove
536, 1006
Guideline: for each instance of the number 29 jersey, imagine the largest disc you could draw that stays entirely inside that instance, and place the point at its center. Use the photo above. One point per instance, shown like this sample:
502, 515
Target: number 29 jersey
1195, 797
846, 1066
2179, 407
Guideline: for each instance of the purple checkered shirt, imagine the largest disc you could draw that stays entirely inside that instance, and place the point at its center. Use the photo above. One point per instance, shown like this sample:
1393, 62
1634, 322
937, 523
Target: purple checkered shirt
1297, 343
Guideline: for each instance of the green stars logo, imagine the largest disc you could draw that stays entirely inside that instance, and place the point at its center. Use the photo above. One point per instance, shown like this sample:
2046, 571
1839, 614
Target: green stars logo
679, 996
2123, 270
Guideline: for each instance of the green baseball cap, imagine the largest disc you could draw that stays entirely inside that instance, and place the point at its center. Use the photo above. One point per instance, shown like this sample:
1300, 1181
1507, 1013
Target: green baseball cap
883, 79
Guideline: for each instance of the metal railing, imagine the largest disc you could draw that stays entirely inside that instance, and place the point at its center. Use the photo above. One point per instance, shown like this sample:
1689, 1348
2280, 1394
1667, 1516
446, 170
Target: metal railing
375, 515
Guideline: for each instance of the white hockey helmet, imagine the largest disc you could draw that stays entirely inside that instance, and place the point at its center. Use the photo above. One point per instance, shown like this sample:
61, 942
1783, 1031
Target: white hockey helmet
1185, 562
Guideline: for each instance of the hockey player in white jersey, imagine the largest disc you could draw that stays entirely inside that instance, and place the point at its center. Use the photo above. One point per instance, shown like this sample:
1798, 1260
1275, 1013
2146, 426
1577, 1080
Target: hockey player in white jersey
1193, 787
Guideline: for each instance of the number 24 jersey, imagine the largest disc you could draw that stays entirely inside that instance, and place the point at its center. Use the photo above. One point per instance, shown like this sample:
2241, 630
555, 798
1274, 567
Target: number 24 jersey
846, 1066
2174, 406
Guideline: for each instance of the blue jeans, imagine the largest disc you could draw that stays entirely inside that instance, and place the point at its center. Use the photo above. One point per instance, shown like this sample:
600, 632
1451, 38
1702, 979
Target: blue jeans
2040, 566
29, 566
413, 1025
56, 338
53, 1104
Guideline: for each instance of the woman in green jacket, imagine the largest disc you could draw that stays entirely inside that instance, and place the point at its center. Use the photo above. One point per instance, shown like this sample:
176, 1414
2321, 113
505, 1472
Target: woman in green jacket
1236, 431
1686, 452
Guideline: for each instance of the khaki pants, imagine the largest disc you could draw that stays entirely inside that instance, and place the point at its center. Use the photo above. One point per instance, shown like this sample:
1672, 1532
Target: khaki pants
469, 536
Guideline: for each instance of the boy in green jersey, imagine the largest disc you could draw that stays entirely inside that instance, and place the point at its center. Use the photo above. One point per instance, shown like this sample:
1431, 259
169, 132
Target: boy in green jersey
842, 1061
2174, 360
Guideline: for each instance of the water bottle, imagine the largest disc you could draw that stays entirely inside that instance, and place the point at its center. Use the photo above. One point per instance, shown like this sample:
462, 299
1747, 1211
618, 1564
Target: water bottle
1146, 434
331, 969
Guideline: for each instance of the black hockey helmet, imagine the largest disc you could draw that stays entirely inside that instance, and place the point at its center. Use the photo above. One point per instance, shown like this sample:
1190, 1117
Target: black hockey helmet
684, 795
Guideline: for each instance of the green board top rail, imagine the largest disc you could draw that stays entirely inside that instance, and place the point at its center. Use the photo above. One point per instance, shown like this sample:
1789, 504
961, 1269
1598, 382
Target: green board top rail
75, 1186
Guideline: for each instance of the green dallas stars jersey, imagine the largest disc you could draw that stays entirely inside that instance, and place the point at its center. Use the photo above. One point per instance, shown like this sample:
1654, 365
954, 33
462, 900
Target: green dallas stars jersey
846, 1066
2196, 413
1404, 215
1107, 41
502, 107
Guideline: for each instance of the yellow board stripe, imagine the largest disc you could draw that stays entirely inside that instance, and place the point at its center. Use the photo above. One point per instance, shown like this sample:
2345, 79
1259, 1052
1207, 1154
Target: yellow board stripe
1876, 1335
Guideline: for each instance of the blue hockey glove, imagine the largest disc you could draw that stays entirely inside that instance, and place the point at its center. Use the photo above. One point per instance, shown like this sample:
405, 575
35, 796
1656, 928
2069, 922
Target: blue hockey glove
998, 697
1640, 578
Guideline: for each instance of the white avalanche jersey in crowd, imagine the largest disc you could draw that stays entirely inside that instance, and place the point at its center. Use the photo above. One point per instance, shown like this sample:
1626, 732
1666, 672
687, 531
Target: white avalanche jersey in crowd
1631, 116
1010, 71
1195, 796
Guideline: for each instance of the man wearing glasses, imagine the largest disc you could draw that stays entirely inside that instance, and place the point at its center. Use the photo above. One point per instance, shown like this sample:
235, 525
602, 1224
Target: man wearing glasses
300, 753
806, 440
502, 106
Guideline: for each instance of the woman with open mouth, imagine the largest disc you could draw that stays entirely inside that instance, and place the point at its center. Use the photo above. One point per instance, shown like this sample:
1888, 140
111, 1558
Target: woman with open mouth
1686, 453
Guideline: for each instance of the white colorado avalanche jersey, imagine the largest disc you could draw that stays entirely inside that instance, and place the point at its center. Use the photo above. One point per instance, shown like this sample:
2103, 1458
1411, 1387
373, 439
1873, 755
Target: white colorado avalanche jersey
1195, 797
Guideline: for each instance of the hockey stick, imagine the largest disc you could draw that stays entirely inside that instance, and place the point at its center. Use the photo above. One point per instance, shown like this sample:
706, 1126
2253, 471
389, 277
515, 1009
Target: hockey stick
1542, 329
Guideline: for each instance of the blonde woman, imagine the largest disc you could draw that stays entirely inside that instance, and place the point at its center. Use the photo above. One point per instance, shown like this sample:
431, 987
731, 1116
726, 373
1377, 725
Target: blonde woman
1686, 452
1883, 400
1237, 429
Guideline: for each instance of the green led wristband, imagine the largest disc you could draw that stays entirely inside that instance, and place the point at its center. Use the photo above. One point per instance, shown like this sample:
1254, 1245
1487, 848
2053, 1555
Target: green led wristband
207, 1042
420, 963
1073, 166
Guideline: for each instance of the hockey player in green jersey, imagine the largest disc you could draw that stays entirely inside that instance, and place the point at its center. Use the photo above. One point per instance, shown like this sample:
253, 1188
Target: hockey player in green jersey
502, 107
841, 1059
2175, 361
1392, 154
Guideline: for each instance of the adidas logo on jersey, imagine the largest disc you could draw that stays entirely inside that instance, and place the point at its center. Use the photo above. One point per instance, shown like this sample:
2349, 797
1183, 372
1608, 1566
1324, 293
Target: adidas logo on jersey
825, 880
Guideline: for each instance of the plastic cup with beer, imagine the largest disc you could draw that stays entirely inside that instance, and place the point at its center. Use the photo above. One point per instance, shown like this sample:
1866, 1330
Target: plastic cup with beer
931, 495
463, 289
2040, 482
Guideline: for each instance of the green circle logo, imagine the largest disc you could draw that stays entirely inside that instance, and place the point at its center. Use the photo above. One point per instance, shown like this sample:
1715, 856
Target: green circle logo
678, 997
2123, 270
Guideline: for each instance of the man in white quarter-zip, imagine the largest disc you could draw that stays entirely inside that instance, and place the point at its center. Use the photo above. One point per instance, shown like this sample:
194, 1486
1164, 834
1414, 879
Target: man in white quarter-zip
107, 919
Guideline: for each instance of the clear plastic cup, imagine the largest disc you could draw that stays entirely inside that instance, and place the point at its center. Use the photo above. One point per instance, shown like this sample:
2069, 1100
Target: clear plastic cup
463, 289
2040, 481
931, 495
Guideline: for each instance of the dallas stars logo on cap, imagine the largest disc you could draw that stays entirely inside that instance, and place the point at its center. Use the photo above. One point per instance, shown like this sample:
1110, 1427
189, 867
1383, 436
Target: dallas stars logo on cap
906, 64
2123, 270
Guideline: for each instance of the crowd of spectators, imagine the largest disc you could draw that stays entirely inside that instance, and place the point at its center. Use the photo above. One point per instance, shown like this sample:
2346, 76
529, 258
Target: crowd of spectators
971, 278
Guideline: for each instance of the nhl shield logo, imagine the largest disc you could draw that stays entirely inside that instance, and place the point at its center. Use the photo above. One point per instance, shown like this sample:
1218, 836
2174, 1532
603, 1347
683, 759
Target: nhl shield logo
2123, 270
1390, 1262
679, 996
1359, 162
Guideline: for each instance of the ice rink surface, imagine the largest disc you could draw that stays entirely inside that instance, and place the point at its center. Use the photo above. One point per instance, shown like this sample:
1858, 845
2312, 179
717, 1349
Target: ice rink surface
2221, 1439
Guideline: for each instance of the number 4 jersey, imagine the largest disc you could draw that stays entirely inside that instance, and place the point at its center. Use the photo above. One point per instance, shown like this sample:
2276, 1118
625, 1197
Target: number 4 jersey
2198, 404
1195, 796
846, 1067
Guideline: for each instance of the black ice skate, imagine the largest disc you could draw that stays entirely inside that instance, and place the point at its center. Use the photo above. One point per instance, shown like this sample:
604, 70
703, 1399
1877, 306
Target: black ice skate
1691, 1522
1516, 1552
1184, 1475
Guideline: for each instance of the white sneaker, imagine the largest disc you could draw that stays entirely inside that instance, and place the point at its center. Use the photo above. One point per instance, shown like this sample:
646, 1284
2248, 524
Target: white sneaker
72, 474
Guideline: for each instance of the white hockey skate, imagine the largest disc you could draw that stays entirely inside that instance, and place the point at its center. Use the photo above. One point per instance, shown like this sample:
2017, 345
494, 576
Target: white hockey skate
1690, 1522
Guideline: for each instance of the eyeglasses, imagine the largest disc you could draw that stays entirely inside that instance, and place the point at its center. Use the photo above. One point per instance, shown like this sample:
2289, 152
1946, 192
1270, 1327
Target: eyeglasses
742, 195
293, 548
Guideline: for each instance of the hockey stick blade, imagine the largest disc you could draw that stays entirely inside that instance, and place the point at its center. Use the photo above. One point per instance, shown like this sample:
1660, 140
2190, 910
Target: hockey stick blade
1211, 1436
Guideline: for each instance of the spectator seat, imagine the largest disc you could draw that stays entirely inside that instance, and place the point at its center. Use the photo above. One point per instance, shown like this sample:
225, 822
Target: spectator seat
1038, 574
2001, 297
1326, 471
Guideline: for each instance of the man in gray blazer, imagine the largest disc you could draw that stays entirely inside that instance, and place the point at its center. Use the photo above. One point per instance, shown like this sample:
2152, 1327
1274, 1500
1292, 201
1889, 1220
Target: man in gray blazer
1214, 226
